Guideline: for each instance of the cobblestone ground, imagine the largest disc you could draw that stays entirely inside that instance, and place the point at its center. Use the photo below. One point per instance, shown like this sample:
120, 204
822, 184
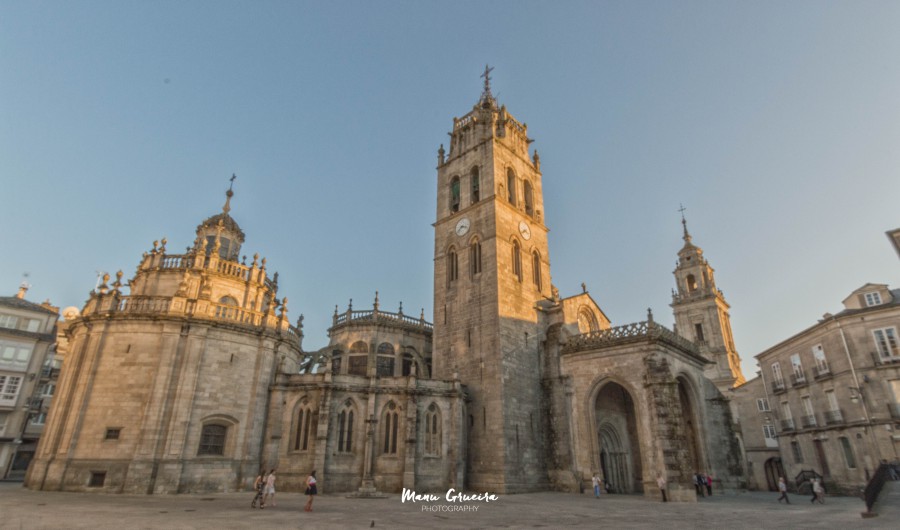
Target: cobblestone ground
25, 509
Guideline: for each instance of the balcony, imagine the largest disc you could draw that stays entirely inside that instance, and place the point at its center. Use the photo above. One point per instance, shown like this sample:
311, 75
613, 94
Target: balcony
778, 386
833, 417
822, 371
787, 425
808, 421
798, 379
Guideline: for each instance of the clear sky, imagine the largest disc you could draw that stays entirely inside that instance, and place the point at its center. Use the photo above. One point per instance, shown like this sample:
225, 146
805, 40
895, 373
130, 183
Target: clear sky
776, 124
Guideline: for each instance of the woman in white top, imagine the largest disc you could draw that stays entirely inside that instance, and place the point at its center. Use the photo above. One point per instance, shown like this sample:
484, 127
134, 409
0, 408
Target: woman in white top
311, 490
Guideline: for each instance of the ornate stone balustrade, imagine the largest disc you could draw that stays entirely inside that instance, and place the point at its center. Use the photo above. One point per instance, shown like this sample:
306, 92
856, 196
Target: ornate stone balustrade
143, 305
177, 261
636, 332
234, 313
465, 120
381, 317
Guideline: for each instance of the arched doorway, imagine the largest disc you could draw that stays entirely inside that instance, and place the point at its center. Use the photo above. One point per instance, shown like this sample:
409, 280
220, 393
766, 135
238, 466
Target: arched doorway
617, 437
696, 462
774, 470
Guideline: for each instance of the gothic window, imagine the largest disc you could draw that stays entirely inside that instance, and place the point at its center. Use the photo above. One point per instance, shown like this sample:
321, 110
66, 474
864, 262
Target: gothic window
433, 431
454, 194
384, 362
359, 347
390, 421
691, 283
345, 429
303, 426
212, 440
336, 359
476, 186
475, 257
529, 199
408, 361
358, 364
511, 187
452, 266
517, 261
536, 269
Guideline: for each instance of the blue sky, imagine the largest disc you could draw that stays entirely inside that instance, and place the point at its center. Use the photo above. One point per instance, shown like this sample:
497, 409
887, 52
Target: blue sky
776, 124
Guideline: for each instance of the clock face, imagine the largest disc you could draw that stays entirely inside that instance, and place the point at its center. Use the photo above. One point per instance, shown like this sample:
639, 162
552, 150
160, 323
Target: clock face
462, 226
525, 230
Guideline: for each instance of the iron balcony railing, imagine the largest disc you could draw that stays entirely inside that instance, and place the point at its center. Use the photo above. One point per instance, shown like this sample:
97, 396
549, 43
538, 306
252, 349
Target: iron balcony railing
787, 425
833, 417
808, 421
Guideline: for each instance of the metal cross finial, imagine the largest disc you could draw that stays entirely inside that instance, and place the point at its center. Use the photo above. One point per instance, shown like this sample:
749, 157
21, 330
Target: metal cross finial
233, 176
681, 209
487, 79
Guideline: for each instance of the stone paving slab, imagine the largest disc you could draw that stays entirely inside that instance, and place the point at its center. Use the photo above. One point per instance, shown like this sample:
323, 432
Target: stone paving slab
24, 509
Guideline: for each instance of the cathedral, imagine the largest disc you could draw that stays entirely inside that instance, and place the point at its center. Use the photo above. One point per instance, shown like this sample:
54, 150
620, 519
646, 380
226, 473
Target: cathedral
195, 378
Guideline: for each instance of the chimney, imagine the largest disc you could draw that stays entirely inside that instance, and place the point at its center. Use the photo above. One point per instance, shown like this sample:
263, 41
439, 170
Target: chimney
22, 290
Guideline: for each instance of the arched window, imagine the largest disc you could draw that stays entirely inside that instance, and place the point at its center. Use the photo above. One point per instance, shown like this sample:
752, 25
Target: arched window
691, 283
390, 420
409, 360
587, 322
303, 426
227, 308
529, 199
452, 266
517, 261
454, 194
475, 257
337, 357
359, 347
475, 185
536, 269
212, 439
511, 187
345, 428
384, 362
433, 431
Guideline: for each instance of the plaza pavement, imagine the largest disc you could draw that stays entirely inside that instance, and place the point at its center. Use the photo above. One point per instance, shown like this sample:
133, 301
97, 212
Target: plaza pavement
24, 509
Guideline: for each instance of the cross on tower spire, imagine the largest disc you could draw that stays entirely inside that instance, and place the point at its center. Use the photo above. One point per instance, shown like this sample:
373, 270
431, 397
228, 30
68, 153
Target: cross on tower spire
487, 98
687, 236
228, 195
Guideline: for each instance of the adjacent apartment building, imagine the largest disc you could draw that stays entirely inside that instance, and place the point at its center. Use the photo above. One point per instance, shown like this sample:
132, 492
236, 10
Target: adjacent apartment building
27, 378
829, 394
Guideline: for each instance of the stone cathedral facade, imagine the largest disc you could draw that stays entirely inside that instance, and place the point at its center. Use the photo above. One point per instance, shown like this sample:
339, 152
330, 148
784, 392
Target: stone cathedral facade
195, 379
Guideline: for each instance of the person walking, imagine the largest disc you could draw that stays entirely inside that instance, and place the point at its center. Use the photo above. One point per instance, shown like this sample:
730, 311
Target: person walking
818, 491
259, 487
661, 482
709, 485
782, 487
596, 482
269, 496
311, 490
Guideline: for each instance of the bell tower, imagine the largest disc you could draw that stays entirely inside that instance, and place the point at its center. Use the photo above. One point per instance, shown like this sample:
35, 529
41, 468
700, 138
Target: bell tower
491, 268
701, 314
